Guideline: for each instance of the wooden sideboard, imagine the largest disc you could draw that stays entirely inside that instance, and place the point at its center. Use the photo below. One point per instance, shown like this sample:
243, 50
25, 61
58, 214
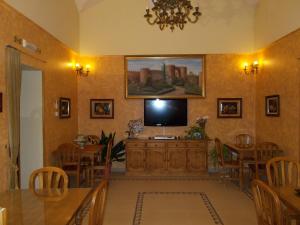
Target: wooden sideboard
166, 156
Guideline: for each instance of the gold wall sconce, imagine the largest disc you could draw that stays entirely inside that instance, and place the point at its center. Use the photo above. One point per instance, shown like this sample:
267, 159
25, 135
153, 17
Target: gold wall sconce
252, 68
81, 70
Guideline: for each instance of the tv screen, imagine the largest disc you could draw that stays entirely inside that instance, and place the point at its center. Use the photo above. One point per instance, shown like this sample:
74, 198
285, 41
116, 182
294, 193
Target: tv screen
165, 112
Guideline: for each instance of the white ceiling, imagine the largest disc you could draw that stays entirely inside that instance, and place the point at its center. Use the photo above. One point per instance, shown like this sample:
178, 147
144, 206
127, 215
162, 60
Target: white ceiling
84, 4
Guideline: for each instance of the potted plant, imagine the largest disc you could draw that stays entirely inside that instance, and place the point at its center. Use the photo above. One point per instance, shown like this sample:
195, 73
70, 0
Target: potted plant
197, 131
213, 155
118, 150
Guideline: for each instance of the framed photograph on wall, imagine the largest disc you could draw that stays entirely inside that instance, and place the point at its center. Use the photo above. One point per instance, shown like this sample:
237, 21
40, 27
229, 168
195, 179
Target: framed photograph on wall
273, 105
165, 76
101, 108
1, 102
230, 107
64, 108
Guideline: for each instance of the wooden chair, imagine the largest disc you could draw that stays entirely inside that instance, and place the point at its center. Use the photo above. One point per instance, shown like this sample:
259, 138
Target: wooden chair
230, 167
69, 160
103, 169
267, 204
96, 212
244, 141
48, 177
263, 153
3, 216
282, 171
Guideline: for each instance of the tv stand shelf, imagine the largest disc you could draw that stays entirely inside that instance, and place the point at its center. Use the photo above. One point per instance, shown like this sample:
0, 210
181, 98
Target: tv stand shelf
158, 157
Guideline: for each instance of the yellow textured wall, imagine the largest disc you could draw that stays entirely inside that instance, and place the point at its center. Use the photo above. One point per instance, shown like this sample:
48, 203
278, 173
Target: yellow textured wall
275, 19
59, 18
280, 75
115, 27
58, 81
224, 79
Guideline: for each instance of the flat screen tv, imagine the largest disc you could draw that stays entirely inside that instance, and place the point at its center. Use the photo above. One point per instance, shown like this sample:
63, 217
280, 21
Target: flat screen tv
165, 112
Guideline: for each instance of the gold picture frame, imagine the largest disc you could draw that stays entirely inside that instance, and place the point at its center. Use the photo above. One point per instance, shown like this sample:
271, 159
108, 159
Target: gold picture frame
101, 108
64, 108
165, 76
230, 108
272, 105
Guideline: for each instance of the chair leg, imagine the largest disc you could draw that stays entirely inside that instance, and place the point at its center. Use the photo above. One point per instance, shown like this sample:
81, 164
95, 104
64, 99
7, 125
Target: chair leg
78, 179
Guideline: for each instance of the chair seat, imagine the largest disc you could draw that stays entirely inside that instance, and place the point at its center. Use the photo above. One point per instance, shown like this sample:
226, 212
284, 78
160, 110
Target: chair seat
231, 164
260, 167
69, 167
249, 159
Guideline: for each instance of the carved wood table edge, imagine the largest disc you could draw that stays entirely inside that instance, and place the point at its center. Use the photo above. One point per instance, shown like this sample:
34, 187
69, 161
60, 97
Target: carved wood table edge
25, 207
288, 195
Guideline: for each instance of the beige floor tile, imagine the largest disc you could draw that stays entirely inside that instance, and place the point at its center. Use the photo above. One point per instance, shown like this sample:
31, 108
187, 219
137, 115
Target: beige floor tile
232, 205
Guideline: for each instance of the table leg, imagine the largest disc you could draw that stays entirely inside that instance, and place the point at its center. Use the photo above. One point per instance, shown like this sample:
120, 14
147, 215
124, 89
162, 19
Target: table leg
92, 172
256, 170
241, 172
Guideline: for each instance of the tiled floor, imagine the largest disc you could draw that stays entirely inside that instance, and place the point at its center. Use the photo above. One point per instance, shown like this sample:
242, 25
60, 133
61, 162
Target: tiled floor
171, 201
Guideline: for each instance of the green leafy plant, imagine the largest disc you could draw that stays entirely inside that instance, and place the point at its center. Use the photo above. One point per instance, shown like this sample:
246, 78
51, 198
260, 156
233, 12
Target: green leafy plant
118, 150
213, 155
195, 132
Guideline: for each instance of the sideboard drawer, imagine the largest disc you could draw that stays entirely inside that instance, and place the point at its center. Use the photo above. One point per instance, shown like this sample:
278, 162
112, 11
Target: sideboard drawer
155, 145
196, 144
176, 145
136, 144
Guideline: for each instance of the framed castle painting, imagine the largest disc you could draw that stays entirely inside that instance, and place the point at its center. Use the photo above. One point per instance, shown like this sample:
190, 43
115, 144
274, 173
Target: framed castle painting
167, 76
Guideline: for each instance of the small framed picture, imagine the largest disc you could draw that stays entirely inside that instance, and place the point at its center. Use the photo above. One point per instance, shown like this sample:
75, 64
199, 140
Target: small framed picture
64, 108
229, 107
273, 105
1, 102
102, 108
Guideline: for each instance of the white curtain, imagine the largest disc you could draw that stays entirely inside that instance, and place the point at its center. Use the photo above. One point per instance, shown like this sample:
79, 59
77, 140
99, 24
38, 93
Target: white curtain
13, 81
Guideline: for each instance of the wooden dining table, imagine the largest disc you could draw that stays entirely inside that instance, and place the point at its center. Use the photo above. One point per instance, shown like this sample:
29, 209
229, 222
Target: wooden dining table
28, 207
90, 151
243, 154
288, 195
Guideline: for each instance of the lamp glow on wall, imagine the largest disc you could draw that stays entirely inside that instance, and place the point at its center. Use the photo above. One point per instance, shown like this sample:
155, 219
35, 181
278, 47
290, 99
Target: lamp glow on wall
81, 70
251, 68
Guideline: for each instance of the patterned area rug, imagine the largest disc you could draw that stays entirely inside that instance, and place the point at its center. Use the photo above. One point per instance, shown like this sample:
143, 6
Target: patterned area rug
177, 200
162, 208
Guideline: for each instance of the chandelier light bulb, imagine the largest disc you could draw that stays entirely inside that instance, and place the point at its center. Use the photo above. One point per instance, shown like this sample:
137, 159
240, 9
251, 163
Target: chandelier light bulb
172, 13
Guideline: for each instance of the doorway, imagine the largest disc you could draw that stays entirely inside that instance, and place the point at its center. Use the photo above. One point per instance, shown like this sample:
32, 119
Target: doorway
31, 123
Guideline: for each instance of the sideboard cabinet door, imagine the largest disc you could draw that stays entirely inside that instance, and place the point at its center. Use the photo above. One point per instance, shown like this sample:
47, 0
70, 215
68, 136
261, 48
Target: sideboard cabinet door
156, 159
135, 159
176, 159
196, 160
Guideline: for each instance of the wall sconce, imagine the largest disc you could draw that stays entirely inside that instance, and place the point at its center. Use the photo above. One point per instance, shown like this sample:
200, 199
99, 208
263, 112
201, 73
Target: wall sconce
82, 71
251, 69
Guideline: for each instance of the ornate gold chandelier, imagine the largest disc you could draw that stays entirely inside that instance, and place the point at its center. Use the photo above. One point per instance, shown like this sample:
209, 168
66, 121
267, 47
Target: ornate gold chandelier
172, 13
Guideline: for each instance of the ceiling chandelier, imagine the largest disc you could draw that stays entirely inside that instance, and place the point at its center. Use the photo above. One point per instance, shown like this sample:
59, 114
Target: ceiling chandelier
172, 13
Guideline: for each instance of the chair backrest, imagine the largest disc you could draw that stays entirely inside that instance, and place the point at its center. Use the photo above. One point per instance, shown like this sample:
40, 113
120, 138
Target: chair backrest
283, 171
48, 177
107, 168
220, 153
3, 216
244, 140
266, 151
68, 154
98, 204
267, 204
